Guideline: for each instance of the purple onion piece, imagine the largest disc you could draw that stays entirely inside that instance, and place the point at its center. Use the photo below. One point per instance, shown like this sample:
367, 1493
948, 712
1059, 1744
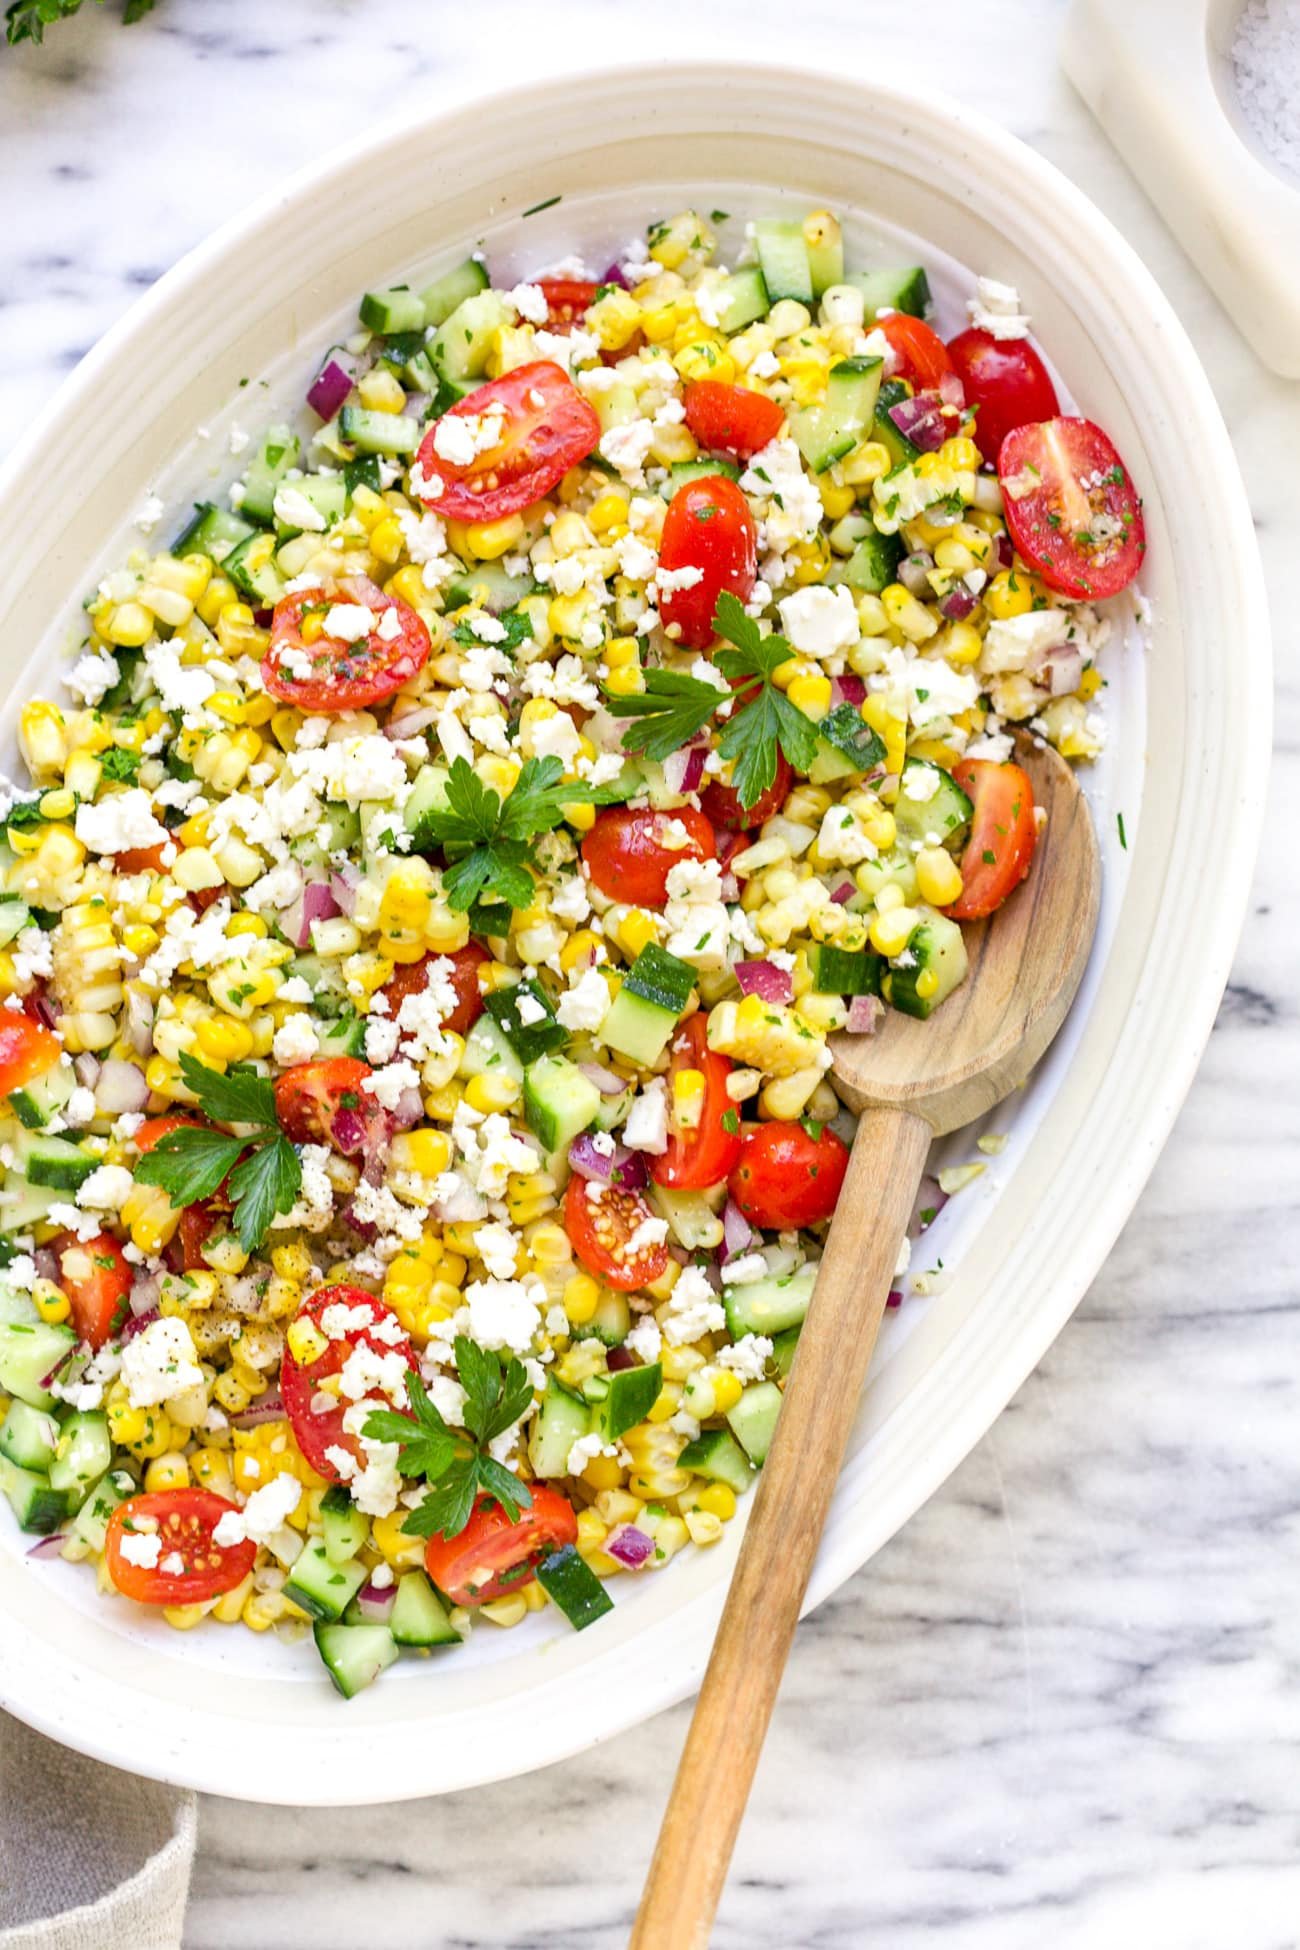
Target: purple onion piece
764, 979
1006, 552
957, 604
614, 275
737, 1232
376, 1605
411, 723
619, 1358
46, 1262
865, 1012
951, 390
343, 888
849, 688
914, 573
348, 1131
617, 1167
267, 1408
143, 1297
1064, 668
318, 904
85, 1069
409, 1110
921, 420
606, 1081
138, 1322
630, 1546
895, 1298
329, 389
120, 1086
843, 892
47, 1546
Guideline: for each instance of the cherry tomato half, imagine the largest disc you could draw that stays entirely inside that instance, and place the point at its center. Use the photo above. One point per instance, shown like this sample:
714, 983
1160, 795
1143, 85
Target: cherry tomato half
1006, 380
323, 1103
731, 420
495, 1555
96, 1278
707, 1150
920, 355
317, 1428
786, 1177
412, 977
723, 806
567, 299
1003, 835
547, 427
628, 856
1071, 507
141, 859
26, 1049
331, 674
183, 1521
709, 528
600, 1228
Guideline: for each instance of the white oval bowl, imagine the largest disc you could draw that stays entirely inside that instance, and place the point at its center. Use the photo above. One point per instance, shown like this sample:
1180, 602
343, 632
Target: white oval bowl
240, 1716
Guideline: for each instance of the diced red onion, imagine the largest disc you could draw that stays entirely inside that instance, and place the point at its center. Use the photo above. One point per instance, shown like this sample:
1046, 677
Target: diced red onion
914, 573
614, 275
411, 723
737, 1232
47, 1546
849, 688
629, 1545
46, 1262
376, 1605
348, 1131
318, 904
957, 604
143, 1297
343, 886
85, 1069
138, 1322
264, 616
930, 1198
139, 1022
618, 1167
684, 768
765, 979
728, 887
843, 892
267, 1408
921, 420
606, 1081
43, 1007
1065, 668
329, 389
895, 1298
619, 1358
865, 1012
120, 1086
1006, 552
409, 1109
951, 390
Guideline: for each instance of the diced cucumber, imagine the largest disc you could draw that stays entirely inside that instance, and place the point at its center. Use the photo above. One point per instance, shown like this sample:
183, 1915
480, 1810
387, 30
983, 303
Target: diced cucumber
212, 532
691, 1219
15, 1305
783, 260
825, 256
419, 1615
573, 1588
533, 1039
326, 493
428, 794
937, 815
267, 469
562, 1420
612, 1321
380, 433
464, 339
325, 980
23, 1205
34, 1502
936, 948
629, 1396
15, 915
488, 585
847, 733
84, 1454
488, 1053
613, 1111
741, 298
637, 1028
842, 971
344, 1528
52, 1161
91, 1521
873, 564
321, 1588
355, 1655
900, 449
753, 1419
345, 1037
395, 308
559, 1101
29, 1437
441, 298
683, 472
38, 1101
783, 1347
361, 471
826, 433
661, 978
31, 1351
252, 568
906, 290
717, 1455
767, 1306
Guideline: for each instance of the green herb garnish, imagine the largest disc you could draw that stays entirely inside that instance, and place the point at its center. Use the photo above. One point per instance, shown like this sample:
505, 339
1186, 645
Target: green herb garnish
264, 1169
455, 1462
488, 841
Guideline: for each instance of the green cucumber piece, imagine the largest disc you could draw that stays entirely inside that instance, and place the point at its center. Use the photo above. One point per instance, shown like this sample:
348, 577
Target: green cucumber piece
637, 1028
563, 1419
44, 1097
489, 586
55, 1162
344, 1528
15, 915
380, 433
419, 1615
84, 1454
29, 1437
753, 1419
783, 260
326, 493
23, 1205
428, 795
355, 1655
260, 582
683, 472
528, 1040
487, 1052
783, 1347
212, 532
91, 1521
766, 1306
826, 433
741, 298
346, 1037
321, 1588
937, 945
464, 339
941, 818
265, 472
717, 1455
29, 1352
873, 564
612, 1321
394, 308
631, 1394
441, 298
842, 971
847, 732
901, 450
559, 1101
906, 290
34, 1502
825, 258
661, 978
573, 1588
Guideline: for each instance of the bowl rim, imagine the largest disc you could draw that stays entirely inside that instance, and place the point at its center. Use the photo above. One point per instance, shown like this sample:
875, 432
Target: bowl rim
847, 1546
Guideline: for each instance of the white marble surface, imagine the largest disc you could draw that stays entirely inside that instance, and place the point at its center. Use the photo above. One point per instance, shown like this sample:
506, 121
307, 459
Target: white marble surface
1061, 1707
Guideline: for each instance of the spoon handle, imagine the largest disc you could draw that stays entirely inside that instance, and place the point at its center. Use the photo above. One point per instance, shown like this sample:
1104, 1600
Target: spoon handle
780, 1543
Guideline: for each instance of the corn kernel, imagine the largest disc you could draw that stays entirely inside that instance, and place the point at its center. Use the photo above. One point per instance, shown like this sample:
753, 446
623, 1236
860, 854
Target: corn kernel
727, 1390
719, 1500
938, 877
581, 1298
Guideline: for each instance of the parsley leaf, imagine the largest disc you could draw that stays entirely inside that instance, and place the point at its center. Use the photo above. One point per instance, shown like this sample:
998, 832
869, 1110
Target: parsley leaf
266, 1183
671, 709
119, 764
238, 1097
433, 1446
26, 20
191, 1162
454, 1462
764, 716
487, 840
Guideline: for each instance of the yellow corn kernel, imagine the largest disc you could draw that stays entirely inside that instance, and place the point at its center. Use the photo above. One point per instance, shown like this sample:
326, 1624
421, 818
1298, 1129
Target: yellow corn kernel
51, 1304
603, 1472
506, 1611
230, 1605
129, 626
907, 614
960, 643
688, 1098
1090, 683
614, 318
727, 1390
927, 984
305, 1341
811, 695
183, 1618
636, 928
581, 1298
397, 1548
167, 1472
865, 464
627, 682
1009, 594
607, 512
491, 1093
938, 877
891, 932
719, 1499
425, 1152
837, 501
490, 539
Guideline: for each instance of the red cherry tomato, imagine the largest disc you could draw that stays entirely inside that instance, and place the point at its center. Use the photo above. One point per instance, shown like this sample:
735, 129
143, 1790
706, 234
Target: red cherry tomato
1006, 380
323, 1103
411, 977
183, 1522
197, 1222
567, 299
599, 1230
96, 1278
26, 1049
708, 527
920, 355
343, 676
1003, 835
722, 802
141, 859
495, 1555
317, 1428
158, 1127
627, 856
786, 1177
731, 419
1071, 507
547, 428
707, 1151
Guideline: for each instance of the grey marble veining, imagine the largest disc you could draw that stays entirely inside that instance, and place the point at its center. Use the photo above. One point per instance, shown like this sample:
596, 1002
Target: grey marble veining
1063, 1707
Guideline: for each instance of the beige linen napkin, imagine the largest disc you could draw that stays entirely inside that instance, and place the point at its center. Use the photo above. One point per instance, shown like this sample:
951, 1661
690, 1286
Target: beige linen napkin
90, 1859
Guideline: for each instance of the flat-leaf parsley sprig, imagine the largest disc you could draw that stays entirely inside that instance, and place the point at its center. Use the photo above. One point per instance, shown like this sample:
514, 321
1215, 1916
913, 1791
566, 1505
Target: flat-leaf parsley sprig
488, 840
455, 1462
190, 1163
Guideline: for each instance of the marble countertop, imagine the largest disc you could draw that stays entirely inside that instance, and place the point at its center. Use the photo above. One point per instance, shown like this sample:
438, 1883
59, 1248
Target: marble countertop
1061, 1706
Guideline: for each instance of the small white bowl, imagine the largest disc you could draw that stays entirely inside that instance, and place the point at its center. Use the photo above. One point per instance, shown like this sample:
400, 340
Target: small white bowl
1189, 725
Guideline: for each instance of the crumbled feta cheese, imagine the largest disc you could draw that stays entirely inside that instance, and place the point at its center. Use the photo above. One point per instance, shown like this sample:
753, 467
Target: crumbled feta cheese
744, 1270
459, 438
586, 1004
33, 956
159, 1362
348, 622
120, 823
645, 1339
266, 1512
646, 1128
584, 1450
1021, 642
141, 1547
529, 300
498, 1248
503, 1313
106, 1189
557, 737
748, 1357
388, 1085
693, 1309
995, 308
626, 447
295, 1041
92, 675
819, 621
791, 505
292, 507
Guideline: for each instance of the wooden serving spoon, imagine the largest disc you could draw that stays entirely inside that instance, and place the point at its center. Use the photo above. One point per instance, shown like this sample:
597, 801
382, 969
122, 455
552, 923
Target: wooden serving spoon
911, 1082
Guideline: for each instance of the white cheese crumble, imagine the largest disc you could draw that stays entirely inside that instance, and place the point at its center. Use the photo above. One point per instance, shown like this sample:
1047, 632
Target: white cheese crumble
159, 1362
